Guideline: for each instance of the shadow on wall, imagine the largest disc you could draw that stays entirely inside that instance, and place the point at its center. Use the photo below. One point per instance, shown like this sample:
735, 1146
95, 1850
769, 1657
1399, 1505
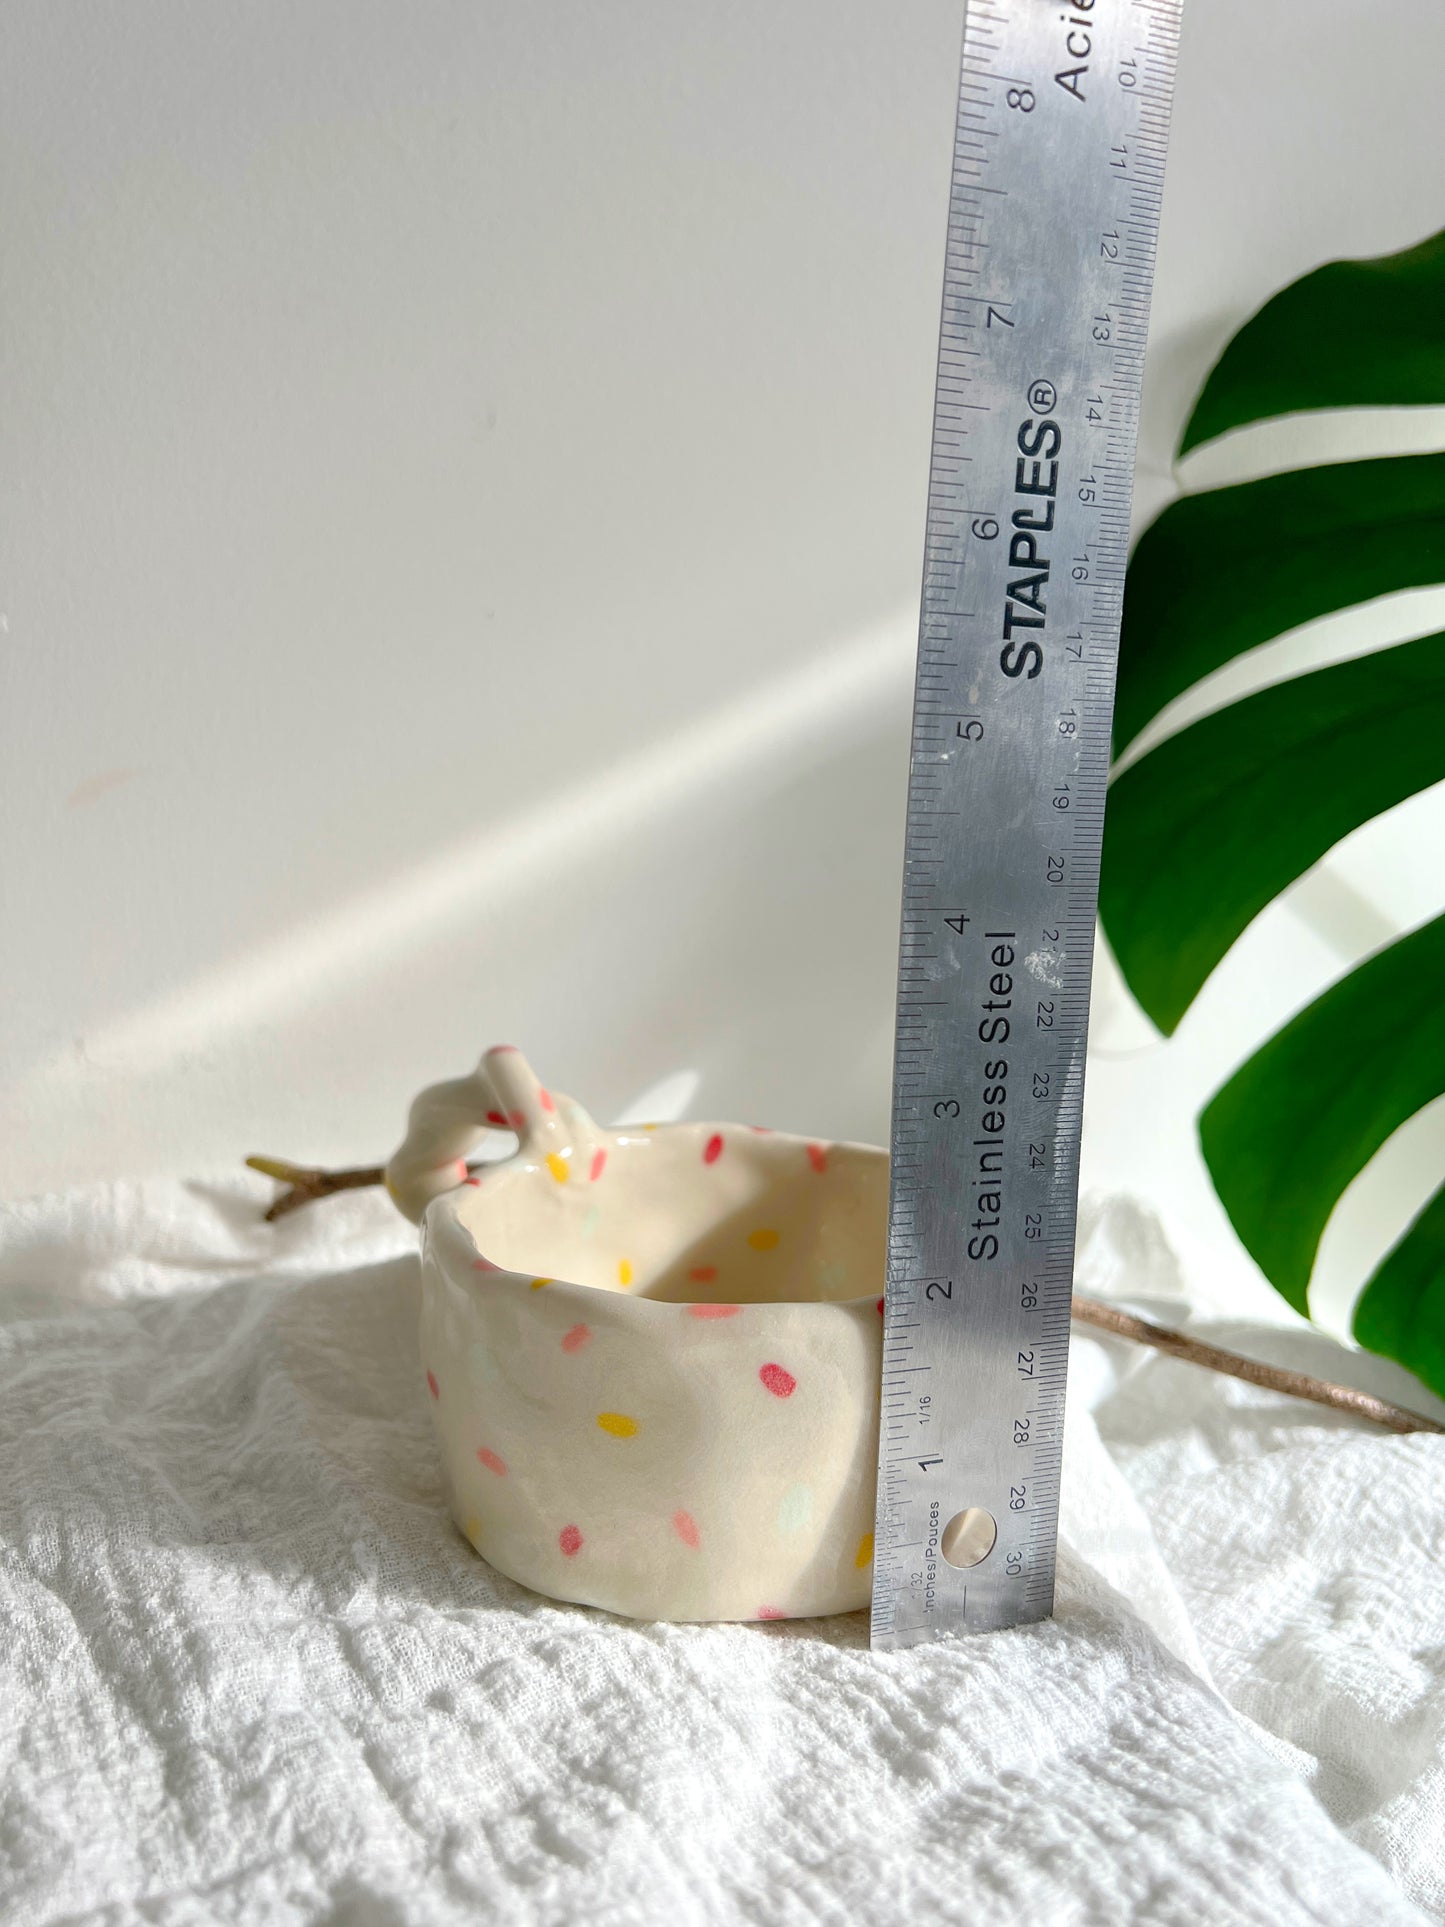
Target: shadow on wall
752, 862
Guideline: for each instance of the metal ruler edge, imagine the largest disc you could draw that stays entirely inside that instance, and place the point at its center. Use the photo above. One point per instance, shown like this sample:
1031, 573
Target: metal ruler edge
1057, 178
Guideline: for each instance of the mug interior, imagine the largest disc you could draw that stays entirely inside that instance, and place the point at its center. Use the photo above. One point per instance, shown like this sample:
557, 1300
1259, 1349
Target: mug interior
691, 1214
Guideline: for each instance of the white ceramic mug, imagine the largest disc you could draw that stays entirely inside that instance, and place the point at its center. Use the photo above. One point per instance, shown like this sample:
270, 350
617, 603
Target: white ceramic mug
653, 1353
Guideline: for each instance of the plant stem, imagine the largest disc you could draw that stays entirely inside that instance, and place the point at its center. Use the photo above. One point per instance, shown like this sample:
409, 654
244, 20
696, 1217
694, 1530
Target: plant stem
305, 1183
1343, 1398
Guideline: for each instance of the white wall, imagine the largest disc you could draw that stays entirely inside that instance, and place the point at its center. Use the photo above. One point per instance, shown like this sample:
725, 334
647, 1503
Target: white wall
464, 471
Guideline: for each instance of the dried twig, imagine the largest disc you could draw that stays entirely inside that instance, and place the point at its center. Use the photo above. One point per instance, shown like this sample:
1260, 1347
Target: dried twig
1343, 1398
308, 1182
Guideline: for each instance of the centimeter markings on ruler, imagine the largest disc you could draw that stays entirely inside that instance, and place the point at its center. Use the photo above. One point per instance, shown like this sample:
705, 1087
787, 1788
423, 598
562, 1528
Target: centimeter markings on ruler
1058, 170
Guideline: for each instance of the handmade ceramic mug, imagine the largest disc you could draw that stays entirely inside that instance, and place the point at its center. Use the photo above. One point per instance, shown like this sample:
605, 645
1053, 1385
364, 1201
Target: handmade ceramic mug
653, 1353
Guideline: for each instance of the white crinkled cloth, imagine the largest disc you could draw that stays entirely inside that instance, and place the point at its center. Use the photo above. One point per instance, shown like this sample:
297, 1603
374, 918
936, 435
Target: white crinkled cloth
250, 1672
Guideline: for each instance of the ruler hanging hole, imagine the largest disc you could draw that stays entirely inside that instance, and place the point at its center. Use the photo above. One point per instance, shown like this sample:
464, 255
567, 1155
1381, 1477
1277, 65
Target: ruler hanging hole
969, 1537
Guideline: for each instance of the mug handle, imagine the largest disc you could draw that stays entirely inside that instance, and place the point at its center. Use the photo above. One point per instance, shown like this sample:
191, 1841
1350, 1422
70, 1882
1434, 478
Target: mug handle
447, 1120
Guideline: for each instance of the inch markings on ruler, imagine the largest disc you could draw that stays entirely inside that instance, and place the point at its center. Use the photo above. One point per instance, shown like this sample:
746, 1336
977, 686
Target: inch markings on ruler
1058, 169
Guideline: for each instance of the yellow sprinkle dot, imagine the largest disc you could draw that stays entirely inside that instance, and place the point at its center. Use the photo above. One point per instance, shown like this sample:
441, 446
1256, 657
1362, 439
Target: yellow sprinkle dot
624, 1271
864, 1553
473, 1528
537, 1283
763, 1239
558, 1166
618, 1424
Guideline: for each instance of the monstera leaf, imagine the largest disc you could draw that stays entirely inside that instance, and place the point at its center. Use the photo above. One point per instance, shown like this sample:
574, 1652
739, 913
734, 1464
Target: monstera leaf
1354, 334
1402, 1312
1305, 1115
1210, 827
1207, 828
1221, 572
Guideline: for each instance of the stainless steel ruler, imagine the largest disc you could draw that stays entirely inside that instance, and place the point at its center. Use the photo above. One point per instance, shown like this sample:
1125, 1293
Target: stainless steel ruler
1058, 172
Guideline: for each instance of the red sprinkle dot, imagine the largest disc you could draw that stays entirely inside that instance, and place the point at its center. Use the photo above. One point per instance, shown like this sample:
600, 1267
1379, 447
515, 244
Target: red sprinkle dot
703, 1274
544, 1098
432, 1386
763, 1130
685, 1526
880, 1307
490, 1460
574, 1340
770, 1612
475, 1183
713, 1149
721, 1311
570, 1540
818, 1158
599, 1165
499, 1118
780, 1383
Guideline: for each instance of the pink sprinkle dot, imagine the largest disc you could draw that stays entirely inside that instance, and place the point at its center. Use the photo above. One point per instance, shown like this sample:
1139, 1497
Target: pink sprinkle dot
475, 1183
461, 1168
574, 1340
770, 1612
432, 1386
517, 1120
722, 1311
545, 1098
713, 1149
780, 1383
818, 1158
880, 1307
490, 1460
763, 1130
499, 1118
502, 1050
570, 1540
703, 1274
685, 1526
484, 1264
599, 1165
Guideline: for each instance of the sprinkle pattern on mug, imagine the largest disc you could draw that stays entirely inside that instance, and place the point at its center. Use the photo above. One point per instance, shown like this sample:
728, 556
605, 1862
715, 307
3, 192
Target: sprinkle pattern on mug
769, 1379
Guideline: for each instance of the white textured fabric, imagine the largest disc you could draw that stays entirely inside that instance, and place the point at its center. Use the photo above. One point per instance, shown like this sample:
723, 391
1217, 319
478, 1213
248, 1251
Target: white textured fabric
250, 1671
